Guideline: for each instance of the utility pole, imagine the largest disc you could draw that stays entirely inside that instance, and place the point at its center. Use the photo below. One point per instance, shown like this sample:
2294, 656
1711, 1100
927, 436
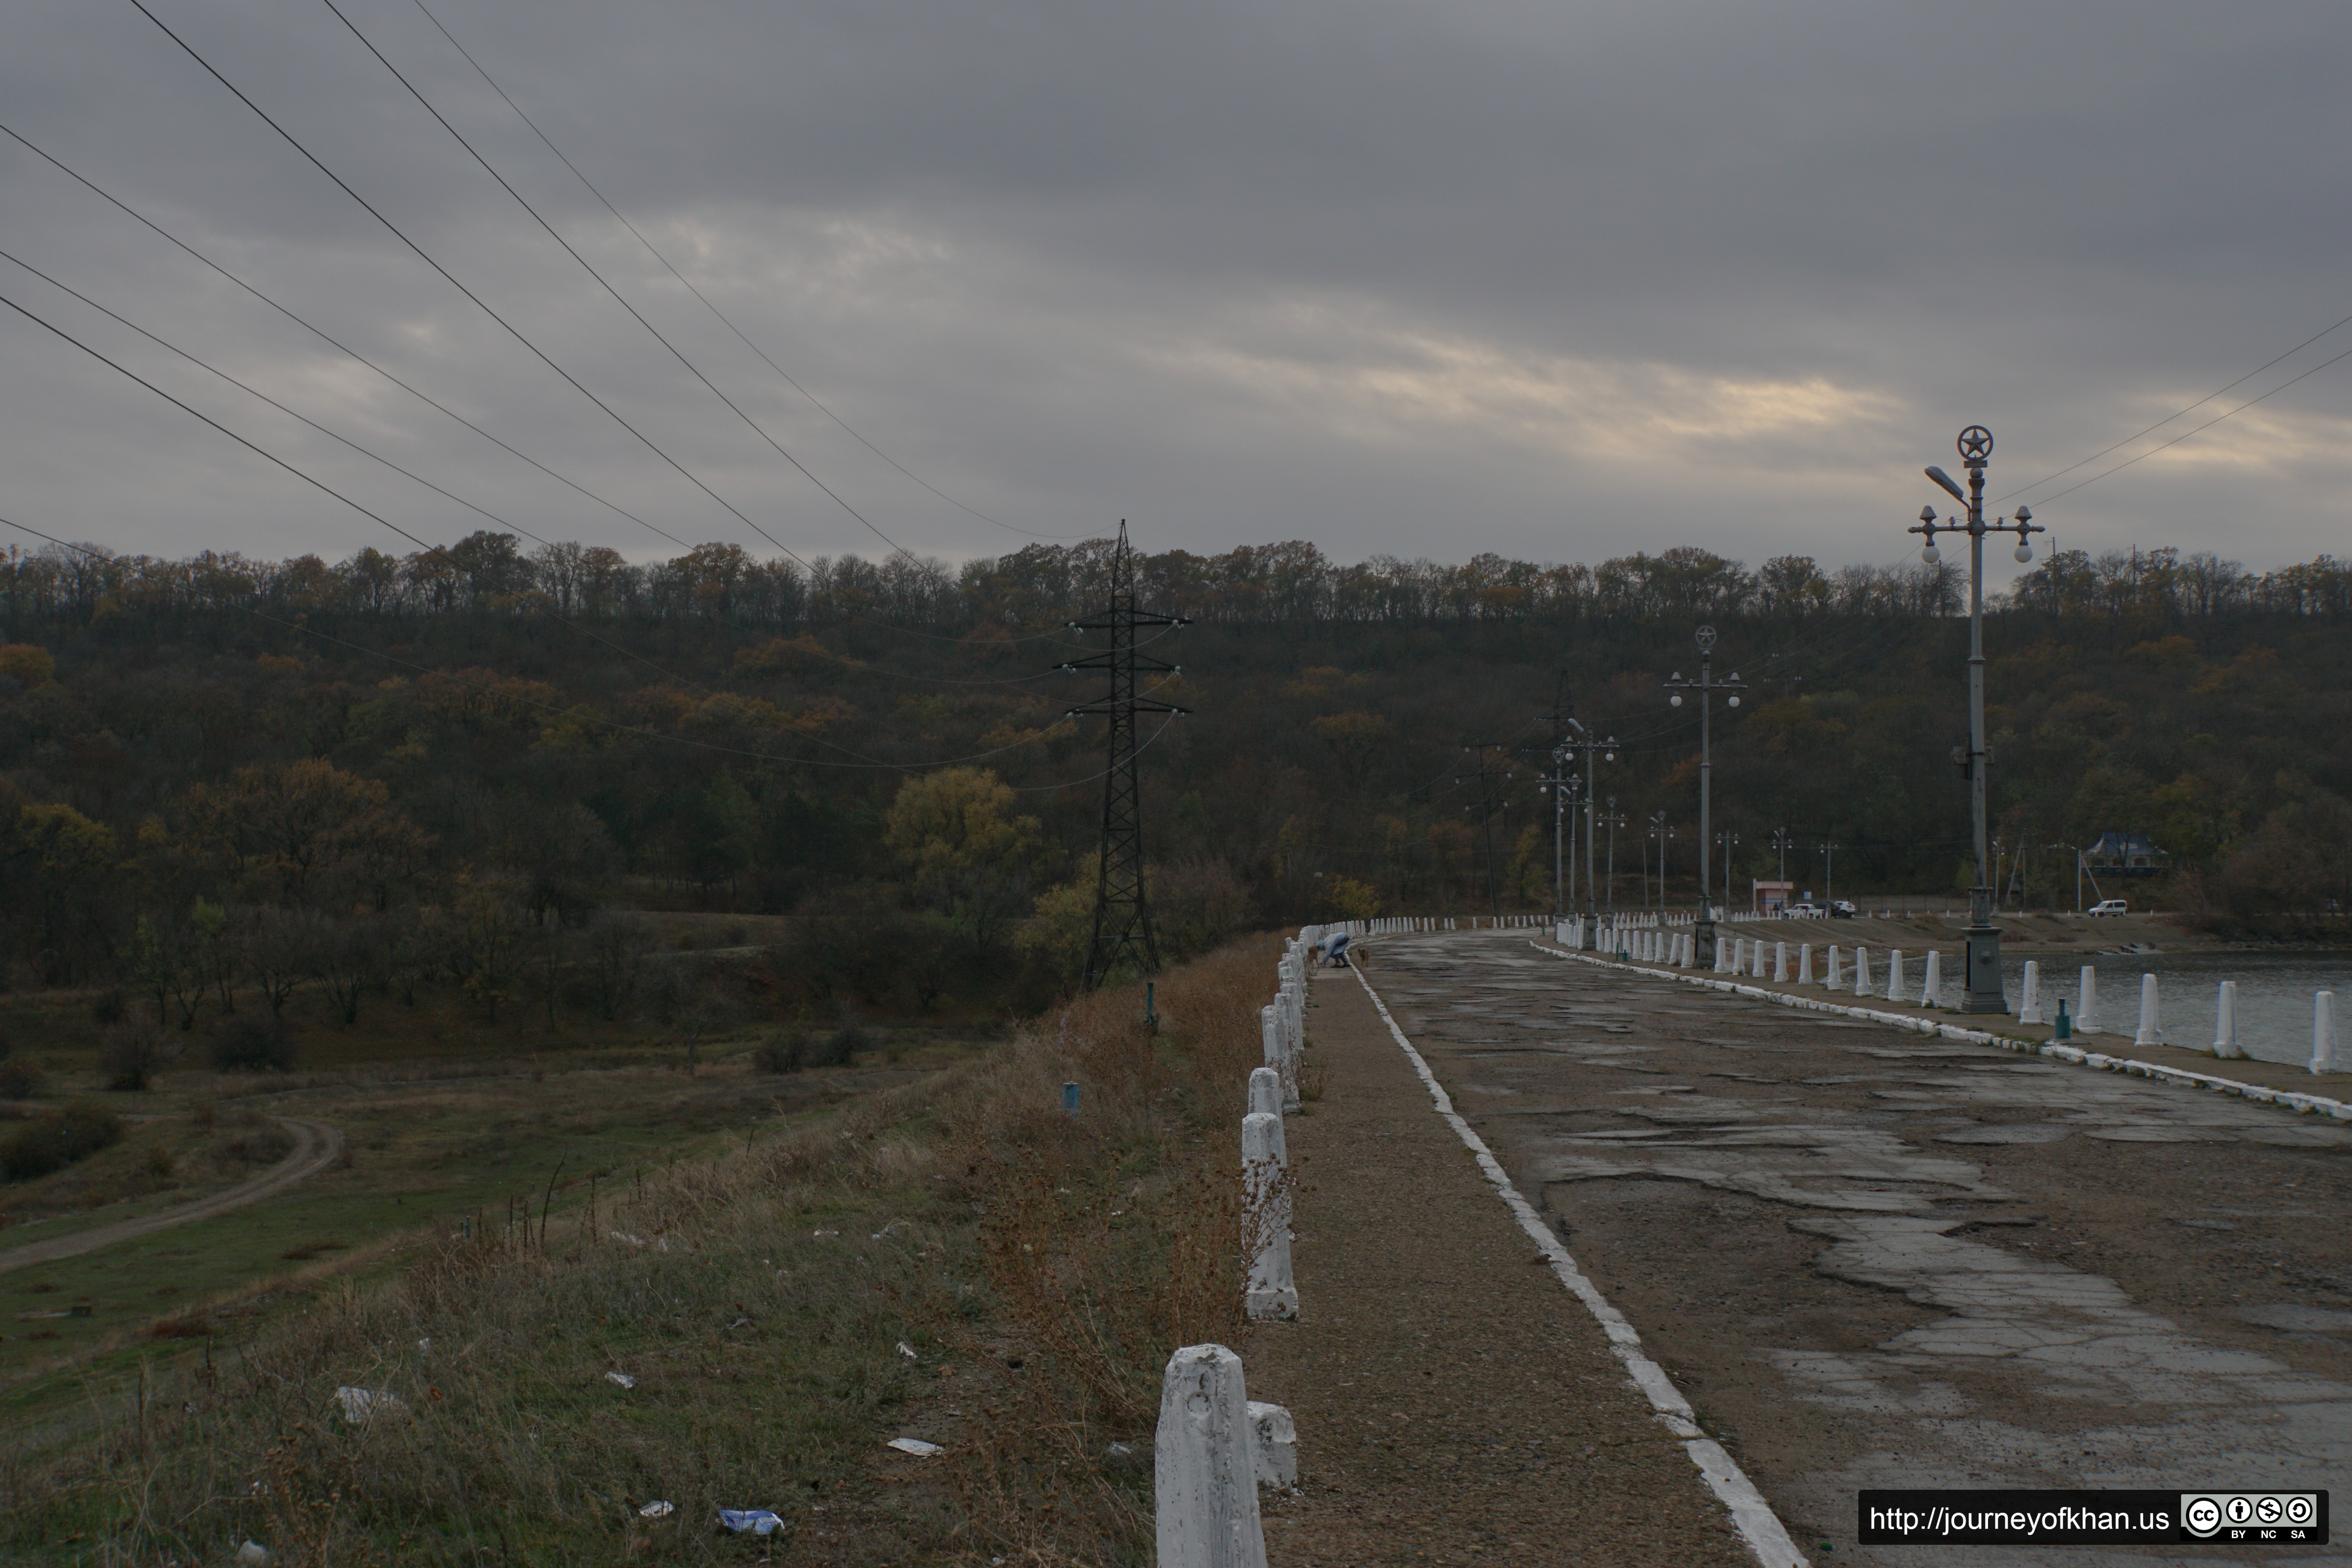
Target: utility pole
1594, 747
1780, 843
1730, 841
2078, 872
1561, 711
1615, 820
1703, 933
1665, 836
1122, 914
1984, 993
1829, 872
1560, 784
1486, 809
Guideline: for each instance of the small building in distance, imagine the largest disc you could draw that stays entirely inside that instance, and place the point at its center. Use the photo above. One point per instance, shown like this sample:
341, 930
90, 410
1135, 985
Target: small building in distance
1770, 898
2125, 855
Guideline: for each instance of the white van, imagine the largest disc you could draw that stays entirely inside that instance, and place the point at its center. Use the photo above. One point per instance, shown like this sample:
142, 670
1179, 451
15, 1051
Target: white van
2109, 907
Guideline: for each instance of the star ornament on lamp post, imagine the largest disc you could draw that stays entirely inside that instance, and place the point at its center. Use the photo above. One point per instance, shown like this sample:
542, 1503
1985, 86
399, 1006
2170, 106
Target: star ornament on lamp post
1982, 988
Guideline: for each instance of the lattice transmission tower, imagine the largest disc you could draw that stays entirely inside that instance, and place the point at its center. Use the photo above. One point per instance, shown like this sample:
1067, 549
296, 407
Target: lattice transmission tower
1122, 911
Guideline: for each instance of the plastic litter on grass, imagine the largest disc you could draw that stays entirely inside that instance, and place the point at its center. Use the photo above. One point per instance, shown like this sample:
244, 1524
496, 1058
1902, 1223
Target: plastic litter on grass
361, 1403
758, 1520
916, 1447
657, 1510
622, 1378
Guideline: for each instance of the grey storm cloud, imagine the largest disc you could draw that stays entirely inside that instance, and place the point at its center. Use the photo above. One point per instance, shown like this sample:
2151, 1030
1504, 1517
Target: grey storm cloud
1557, 281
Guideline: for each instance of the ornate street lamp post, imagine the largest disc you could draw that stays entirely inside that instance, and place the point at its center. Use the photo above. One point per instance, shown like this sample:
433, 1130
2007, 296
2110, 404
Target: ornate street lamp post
1703, 933
1983, 992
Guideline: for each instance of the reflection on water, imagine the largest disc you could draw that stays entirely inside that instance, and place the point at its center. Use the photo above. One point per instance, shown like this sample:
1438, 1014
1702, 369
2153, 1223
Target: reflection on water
2274, 993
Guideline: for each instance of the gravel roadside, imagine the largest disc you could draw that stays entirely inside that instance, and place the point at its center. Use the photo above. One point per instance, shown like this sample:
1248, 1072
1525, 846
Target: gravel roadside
1454, 1402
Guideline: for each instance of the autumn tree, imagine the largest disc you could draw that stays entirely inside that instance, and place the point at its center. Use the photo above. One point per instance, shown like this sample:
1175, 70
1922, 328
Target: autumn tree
307, 832
970, 854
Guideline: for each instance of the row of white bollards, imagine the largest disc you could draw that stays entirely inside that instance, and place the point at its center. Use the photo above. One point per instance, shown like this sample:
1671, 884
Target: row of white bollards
1637, 937
1265, 1156
2225, 1020
1215, 1447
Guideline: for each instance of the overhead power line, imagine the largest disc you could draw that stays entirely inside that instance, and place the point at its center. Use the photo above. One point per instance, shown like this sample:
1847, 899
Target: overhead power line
438, 489
2184, 435
618, 298
2192, 408
331, 341
423, 255
321, 485
651, 250
298, 473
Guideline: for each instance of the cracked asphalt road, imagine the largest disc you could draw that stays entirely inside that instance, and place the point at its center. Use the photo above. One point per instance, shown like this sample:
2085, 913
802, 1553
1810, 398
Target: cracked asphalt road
1870, 1259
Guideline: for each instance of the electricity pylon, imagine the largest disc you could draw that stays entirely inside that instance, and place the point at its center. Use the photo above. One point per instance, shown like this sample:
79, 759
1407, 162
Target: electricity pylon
1122, 912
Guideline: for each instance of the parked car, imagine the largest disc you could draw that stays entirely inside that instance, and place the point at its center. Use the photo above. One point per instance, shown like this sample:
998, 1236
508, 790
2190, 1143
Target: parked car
2109, 907
1842, 911
1802, 911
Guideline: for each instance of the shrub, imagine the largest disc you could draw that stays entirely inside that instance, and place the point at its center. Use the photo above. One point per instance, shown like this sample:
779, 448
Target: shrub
793, 1049
843, 1045
130, 1053
253, 1042
108, 1007
787, 1051
57, 1141
20, 1081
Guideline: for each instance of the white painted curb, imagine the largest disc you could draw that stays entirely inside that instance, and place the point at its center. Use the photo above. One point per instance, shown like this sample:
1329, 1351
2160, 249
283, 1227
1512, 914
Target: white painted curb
2309, 1104
1758, 1525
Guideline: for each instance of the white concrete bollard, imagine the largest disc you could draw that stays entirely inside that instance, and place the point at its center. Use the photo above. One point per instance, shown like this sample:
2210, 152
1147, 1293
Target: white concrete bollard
1203, 1465
1265, 1203
2225, 1021
2028, 996
2151, 1032
1931, 986
1781, 964
1265, 1092
1895, 976
1862, 972
2323, 1031
1804, 963
2087, 1003
1830, 978
1274, 1445
1756, 959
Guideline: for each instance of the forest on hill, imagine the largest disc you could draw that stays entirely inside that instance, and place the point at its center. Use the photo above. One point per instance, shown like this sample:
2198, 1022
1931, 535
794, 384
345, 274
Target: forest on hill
227, 772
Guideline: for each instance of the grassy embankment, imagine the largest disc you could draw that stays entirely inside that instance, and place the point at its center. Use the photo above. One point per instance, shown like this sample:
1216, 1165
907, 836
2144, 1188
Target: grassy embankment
446, 1109
1040, 1268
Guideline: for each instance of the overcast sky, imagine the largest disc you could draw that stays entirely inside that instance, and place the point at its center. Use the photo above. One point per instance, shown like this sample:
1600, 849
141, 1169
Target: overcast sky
1561, 281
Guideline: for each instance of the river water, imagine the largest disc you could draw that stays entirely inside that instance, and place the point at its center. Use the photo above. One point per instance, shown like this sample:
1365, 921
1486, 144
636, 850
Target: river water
2274, 993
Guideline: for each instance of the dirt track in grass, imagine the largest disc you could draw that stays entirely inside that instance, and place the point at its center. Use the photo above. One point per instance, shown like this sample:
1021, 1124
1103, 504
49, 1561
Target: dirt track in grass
317, 1145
